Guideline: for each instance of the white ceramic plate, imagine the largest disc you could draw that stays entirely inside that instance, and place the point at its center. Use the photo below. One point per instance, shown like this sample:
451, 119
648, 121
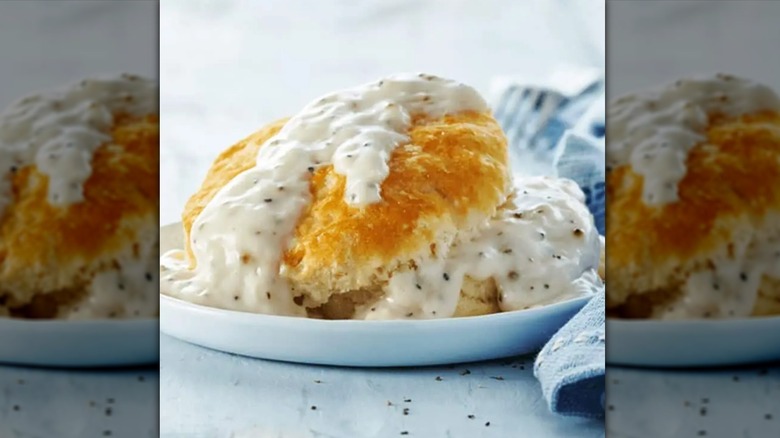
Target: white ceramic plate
79, 343
693, 343
360, 343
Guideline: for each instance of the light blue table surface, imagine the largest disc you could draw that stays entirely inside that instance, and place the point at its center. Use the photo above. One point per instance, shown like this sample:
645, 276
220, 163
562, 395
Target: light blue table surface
209, 393
43, 403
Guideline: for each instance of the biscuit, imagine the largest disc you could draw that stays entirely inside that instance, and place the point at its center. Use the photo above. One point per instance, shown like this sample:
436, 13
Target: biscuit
713, 243
57, 244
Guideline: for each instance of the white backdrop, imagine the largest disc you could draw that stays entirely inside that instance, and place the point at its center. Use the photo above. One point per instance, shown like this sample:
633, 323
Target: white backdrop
45, 44
652, 42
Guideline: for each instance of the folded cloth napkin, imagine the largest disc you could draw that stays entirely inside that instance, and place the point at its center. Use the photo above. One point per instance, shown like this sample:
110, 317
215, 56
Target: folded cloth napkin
581, 158
571, 366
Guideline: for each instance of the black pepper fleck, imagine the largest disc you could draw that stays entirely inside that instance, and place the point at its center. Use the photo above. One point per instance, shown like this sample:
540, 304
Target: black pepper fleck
487, 424
439, 379
268, 200
471, 416
446, 277
314, 408
406, 411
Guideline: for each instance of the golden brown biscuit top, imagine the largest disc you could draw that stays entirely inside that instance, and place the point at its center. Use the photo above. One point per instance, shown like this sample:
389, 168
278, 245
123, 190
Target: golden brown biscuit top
732, 175
654, 130
450, 167
124, 184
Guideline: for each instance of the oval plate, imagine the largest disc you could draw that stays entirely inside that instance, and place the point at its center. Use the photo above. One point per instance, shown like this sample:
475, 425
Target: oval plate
693, 343
57, 343
360, 343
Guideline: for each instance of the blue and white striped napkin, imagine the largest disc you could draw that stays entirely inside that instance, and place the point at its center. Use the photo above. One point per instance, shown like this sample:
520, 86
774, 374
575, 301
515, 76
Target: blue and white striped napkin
571, 367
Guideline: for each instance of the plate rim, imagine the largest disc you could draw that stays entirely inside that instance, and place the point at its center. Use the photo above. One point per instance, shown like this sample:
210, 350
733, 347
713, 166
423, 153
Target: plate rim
547, 319
655, 323
74, 322
634, 331
76, 335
